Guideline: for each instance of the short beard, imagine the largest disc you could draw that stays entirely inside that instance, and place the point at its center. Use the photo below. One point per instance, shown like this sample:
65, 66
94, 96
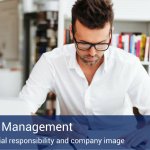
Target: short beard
88, 62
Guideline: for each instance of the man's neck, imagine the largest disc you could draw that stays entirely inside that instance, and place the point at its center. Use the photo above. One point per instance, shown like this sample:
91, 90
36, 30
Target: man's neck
90, 70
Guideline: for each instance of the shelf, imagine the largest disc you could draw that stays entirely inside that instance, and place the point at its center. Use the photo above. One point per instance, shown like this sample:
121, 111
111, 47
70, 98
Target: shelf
145, 63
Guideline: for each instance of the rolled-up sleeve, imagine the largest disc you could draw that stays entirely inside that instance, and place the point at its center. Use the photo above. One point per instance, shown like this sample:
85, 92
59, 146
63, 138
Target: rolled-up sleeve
40, 82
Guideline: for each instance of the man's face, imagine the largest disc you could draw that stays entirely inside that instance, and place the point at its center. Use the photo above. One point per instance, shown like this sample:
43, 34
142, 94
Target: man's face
83, 36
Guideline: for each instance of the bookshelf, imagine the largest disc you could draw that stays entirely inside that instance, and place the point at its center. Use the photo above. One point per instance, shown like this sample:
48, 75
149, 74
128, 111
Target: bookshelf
130, 16
40, 36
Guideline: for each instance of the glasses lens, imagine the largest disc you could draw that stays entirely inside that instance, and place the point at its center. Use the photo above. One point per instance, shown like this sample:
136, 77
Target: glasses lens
101, 47
83, 46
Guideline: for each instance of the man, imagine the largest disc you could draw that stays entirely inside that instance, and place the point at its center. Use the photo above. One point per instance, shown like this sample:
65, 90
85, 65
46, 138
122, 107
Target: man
90, 77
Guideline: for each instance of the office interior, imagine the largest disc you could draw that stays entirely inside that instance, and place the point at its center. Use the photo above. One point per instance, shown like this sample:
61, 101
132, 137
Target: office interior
29, 28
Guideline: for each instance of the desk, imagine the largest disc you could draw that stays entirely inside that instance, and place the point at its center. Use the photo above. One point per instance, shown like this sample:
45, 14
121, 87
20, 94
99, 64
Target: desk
13, 106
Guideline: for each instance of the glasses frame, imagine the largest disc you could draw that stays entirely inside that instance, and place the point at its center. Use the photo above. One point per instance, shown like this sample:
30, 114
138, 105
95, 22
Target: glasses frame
92, 44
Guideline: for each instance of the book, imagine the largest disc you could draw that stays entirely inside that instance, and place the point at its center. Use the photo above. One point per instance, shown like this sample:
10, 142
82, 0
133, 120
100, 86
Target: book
120, 42
125, 40
114, 40
142, 47
138, 45
133, 44
147, 49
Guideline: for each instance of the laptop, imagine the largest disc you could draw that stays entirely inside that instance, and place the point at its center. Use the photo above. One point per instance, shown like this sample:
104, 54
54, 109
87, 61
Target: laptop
13, 106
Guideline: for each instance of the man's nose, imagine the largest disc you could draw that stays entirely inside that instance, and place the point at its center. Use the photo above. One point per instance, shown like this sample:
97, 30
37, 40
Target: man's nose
92, 51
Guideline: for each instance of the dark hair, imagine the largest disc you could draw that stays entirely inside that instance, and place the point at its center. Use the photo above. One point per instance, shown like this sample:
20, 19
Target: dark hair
92, 13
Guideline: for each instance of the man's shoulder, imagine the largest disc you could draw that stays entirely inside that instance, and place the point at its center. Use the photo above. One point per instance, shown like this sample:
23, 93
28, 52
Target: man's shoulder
59, 52
122, 56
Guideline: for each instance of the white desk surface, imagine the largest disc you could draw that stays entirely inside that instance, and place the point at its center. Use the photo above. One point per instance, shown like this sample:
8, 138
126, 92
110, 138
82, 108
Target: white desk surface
13, 106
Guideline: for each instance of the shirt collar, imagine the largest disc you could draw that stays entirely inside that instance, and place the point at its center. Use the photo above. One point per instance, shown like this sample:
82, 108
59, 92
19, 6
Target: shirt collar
72, 63
106, 58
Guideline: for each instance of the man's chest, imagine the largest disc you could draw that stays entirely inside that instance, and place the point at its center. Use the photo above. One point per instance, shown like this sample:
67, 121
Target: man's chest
104, 94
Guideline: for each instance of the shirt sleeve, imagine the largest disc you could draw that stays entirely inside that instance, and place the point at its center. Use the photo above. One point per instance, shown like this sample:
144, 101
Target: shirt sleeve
40, 82
139, 89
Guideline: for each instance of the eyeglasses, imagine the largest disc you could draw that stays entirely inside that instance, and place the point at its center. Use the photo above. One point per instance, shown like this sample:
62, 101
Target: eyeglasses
84, 46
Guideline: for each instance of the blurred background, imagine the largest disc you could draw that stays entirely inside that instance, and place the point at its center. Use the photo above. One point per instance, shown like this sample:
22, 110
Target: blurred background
29, 28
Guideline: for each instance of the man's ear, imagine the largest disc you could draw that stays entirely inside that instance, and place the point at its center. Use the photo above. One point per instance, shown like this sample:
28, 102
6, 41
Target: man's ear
71, 34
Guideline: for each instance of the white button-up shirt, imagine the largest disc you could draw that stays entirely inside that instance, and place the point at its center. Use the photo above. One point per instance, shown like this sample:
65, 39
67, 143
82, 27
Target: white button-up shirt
120, 83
